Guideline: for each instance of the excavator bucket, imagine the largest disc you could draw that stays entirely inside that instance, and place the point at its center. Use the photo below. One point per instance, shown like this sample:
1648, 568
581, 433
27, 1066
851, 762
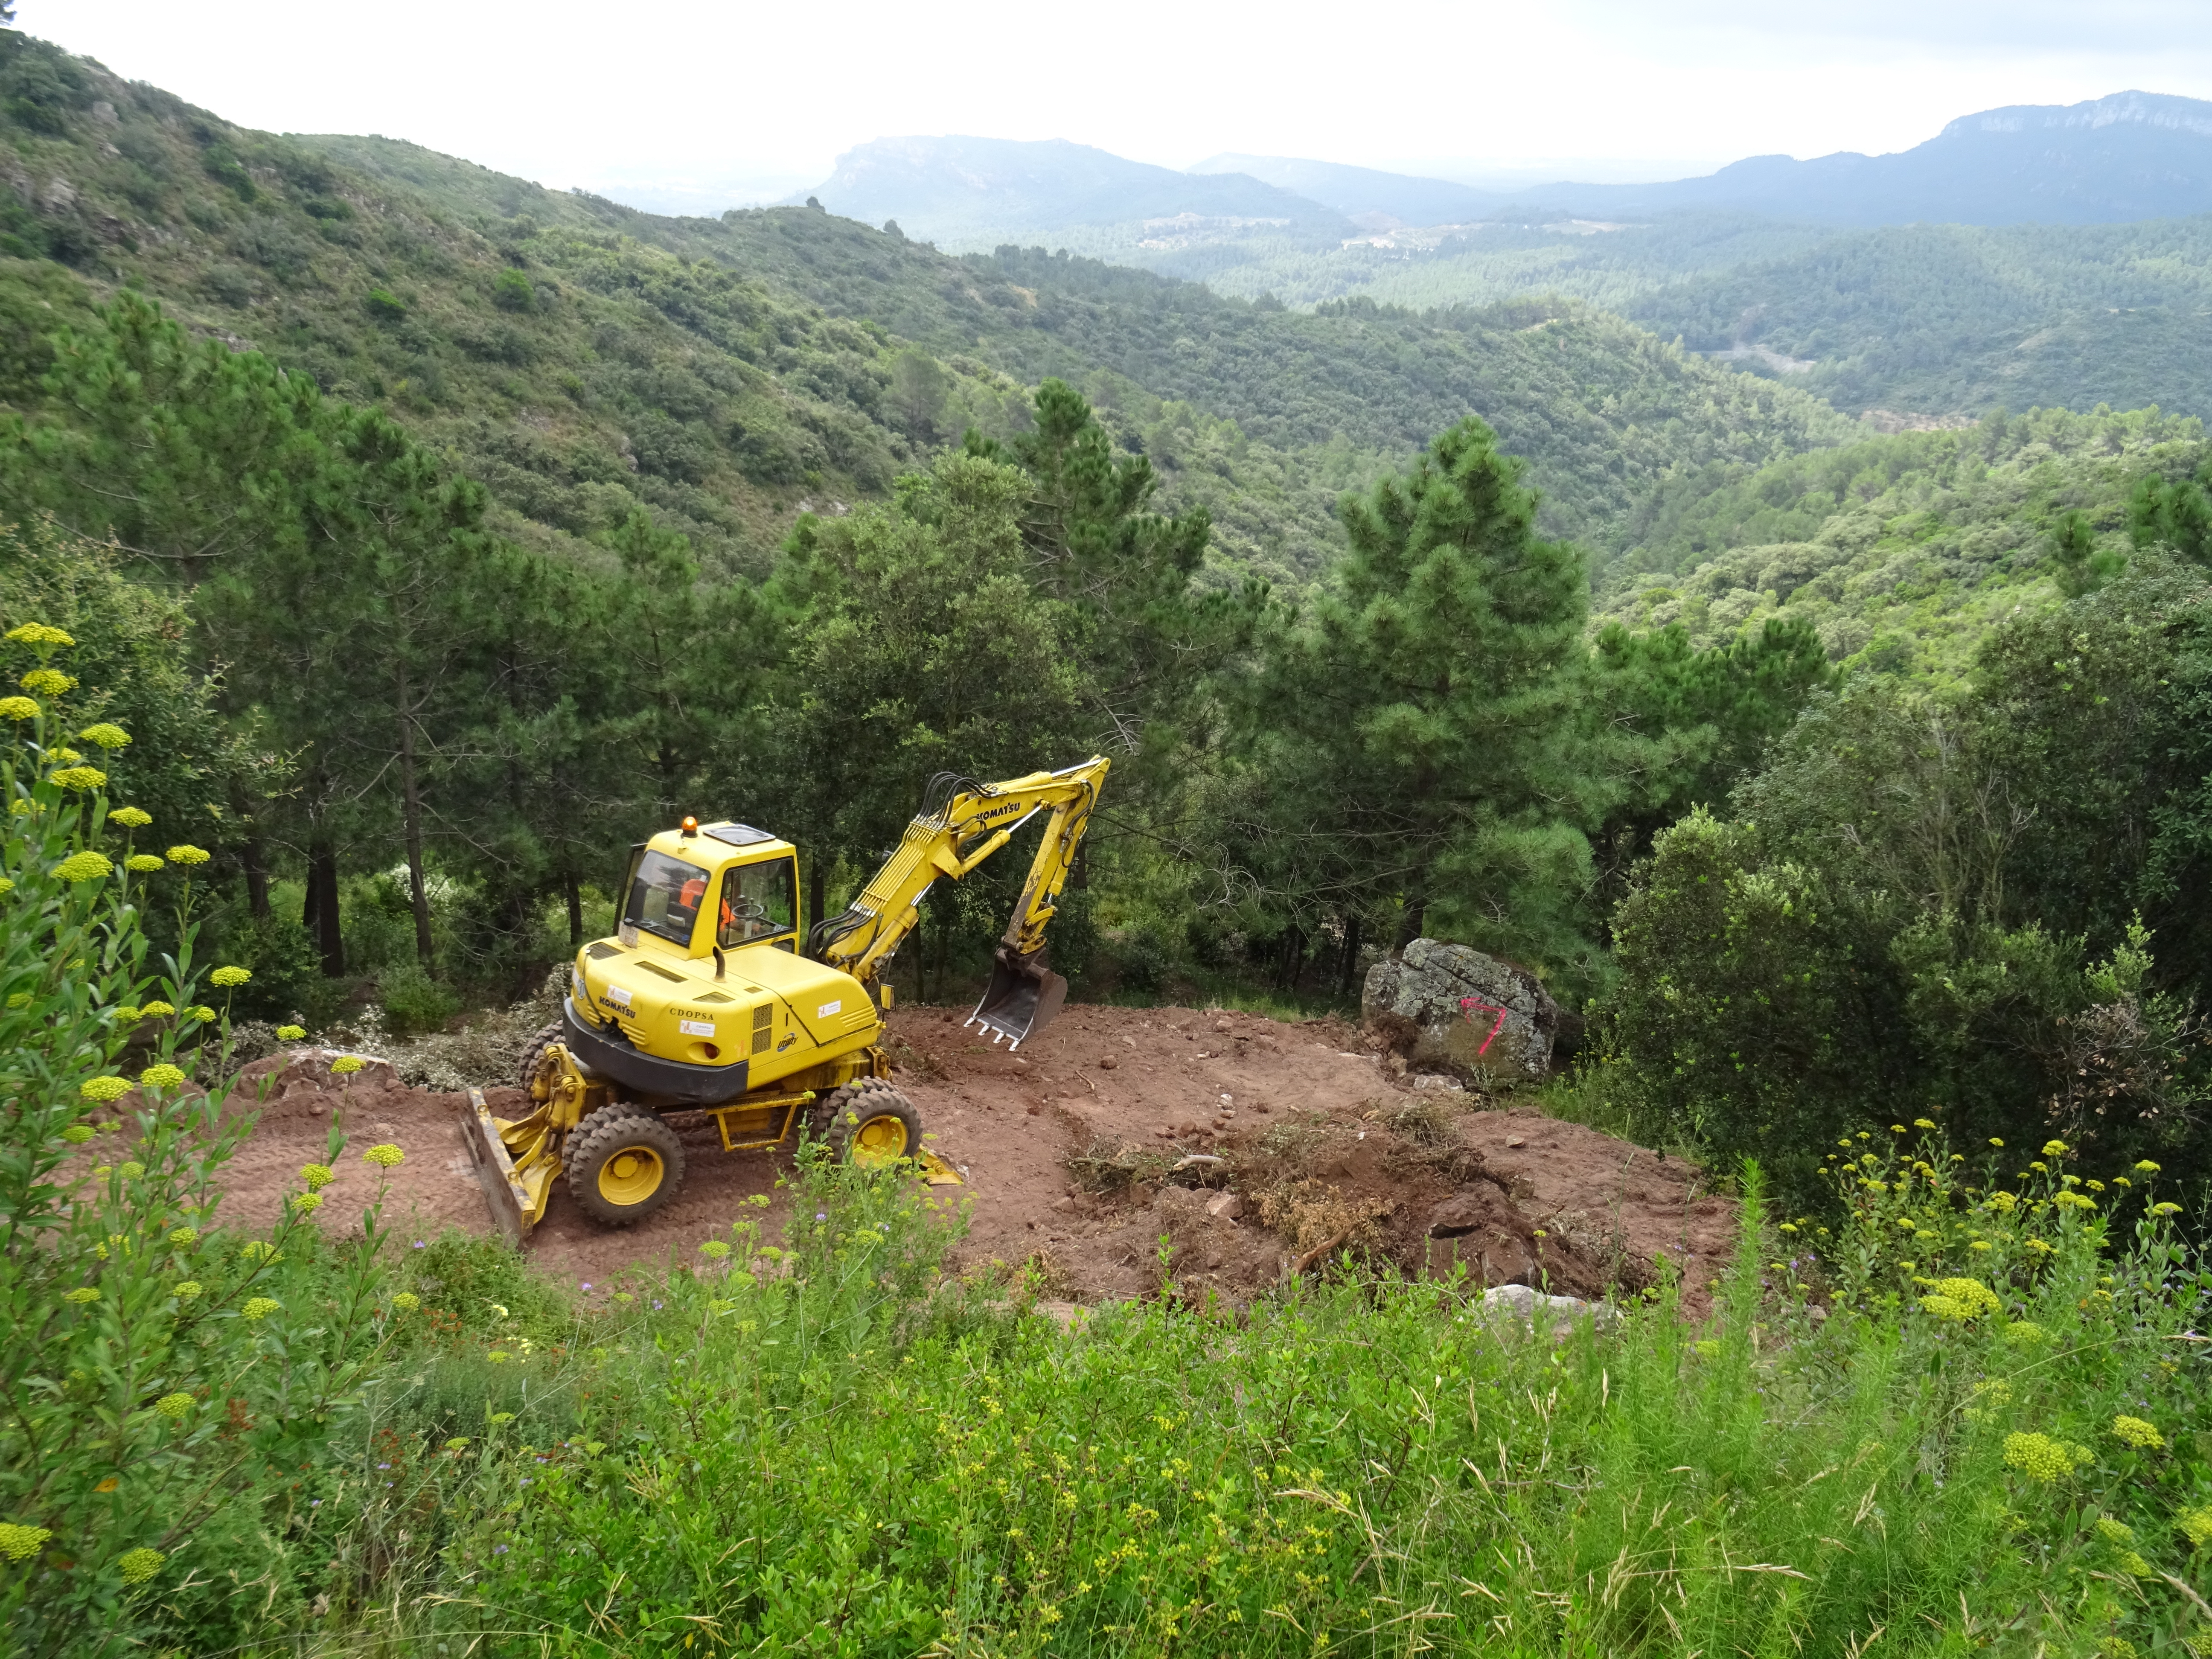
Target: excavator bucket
1023, 1000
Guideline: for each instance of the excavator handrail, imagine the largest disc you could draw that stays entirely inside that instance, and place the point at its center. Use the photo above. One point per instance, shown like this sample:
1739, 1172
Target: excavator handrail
942, 840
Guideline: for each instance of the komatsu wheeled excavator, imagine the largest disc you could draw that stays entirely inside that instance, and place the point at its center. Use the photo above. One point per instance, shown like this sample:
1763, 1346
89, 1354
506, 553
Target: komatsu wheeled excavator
705, 1000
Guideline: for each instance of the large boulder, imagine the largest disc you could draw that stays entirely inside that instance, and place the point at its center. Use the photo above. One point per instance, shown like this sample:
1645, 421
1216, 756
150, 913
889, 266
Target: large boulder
1440, 1005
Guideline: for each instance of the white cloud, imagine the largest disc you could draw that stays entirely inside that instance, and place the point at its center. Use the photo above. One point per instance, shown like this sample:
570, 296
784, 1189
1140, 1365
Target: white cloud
738, 100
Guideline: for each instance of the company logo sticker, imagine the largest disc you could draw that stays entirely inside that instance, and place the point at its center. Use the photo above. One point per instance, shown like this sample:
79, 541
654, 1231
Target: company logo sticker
830, 1008
695, 1027
616, 994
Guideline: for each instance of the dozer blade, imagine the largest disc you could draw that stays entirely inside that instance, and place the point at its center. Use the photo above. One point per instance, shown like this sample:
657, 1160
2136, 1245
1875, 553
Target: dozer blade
508, 1199
1023, 998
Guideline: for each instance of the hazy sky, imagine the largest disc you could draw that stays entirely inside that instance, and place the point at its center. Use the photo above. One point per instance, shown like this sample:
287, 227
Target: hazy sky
736, 97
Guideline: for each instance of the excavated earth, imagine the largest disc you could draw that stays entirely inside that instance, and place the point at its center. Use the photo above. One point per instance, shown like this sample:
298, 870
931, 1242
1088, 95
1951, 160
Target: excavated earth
1257, 1149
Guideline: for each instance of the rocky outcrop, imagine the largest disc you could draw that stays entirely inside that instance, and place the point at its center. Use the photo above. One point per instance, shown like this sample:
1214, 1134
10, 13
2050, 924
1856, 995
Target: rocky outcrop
1449, 1008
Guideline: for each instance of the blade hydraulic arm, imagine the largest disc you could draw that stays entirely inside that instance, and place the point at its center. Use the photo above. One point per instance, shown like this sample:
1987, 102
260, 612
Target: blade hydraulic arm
949, 839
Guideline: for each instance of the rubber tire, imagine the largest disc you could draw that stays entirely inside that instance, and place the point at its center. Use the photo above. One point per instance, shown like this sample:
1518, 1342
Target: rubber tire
870, 1098
602, 1135
534, 1053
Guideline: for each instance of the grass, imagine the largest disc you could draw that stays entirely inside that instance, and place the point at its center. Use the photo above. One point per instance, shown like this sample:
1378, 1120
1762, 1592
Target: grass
820, 1446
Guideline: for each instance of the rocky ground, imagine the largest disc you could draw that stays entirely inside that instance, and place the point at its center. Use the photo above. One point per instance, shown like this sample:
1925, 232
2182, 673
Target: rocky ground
1257, 1149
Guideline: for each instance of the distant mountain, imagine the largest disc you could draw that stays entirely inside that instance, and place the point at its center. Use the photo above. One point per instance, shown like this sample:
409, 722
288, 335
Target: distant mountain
1362, 194
2133, 155
969, 192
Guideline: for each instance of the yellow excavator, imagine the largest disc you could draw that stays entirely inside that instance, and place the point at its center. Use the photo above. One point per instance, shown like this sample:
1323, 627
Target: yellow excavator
705, 1001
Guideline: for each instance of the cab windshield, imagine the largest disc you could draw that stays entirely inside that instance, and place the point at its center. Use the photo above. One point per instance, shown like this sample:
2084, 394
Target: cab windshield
664, 897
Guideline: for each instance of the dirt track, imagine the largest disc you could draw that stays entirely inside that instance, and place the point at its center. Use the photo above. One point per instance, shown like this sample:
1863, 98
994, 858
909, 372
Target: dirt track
1314, 1135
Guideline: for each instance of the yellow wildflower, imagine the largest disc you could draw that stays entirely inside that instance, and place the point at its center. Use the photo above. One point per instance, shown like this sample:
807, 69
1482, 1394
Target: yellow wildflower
18, 708
2038, 1456
188, 854
184, 1238
157, 1010
2023, 1333
19, 1542
2135, 1565
131, 1170
1994, 1141
86, 866
144, 863
406, 1302
83, 1295
259, 1307
2196, 1525
80, 777
386, 1157
47, 682
2074, 1201
1923, 1123
204, 1014
77, 1134
259, 1250
713, 1249
163, 1076
2146, 1167
290, 1033
2118, 1532
139, 1566
104, 1088
226, 978
346, 1065
174, 1406
36, 633
306, 1203
2165, 1209
2134, 1432
317, 1175
2054, 1149
106, 734
186, 1289
131, 818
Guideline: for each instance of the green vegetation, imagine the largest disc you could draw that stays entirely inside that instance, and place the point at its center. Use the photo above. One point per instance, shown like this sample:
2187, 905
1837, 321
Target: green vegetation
1903, 551
394, 540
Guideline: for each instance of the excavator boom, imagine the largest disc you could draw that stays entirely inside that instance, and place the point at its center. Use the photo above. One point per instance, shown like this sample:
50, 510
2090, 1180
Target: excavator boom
960, 824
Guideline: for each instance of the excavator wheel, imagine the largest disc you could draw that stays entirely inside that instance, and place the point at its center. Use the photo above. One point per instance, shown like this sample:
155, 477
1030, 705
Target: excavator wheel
622, 1165
533, 1055
870, 1123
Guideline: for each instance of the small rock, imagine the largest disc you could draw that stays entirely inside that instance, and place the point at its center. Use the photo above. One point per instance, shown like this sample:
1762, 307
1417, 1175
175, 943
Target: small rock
1516, 1141
1107, 1063
1519, 1301
1221, 1025
1263, 1107
1437, 1080
1225, 1206
315, 1110
1034, 1108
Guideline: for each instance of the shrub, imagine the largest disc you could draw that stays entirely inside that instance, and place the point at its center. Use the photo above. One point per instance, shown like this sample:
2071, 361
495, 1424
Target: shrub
413, 1001
385, 306
512, 291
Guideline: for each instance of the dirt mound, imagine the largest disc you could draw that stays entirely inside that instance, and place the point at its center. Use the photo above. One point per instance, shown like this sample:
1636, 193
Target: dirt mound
1257, 1149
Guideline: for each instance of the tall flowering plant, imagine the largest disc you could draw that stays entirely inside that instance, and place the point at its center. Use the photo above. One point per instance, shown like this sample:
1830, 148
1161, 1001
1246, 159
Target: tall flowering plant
154, 1367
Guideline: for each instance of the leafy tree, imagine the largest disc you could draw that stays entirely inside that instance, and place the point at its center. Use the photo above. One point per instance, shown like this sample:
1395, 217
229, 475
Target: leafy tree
1418, 732
2175, 513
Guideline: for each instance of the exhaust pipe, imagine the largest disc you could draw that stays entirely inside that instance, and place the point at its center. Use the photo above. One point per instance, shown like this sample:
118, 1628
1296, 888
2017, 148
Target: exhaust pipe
1024, 997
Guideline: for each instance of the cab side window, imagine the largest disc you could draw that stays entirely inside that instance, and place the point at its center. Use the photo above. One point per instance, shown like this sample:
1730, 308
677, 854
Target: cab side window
758, 902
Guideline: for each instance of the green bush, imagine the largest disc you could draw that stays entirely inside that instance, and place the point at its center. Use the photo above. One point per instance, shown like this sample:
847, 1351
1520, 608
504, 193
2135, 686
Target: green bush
385, 306
413, 1001
512, 291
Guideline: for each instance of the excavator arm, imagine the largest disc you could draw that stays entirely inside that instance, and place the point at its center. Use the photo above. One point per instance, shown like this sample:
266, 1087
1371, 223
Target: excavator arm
960, 824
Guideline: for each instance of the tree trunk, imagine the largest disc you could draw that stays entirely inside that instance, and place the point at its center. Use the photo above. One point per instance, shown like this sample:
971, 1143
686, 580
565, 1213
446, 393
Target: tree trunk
576, 912
257, 880
1351, 955
319, 913
411, 800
